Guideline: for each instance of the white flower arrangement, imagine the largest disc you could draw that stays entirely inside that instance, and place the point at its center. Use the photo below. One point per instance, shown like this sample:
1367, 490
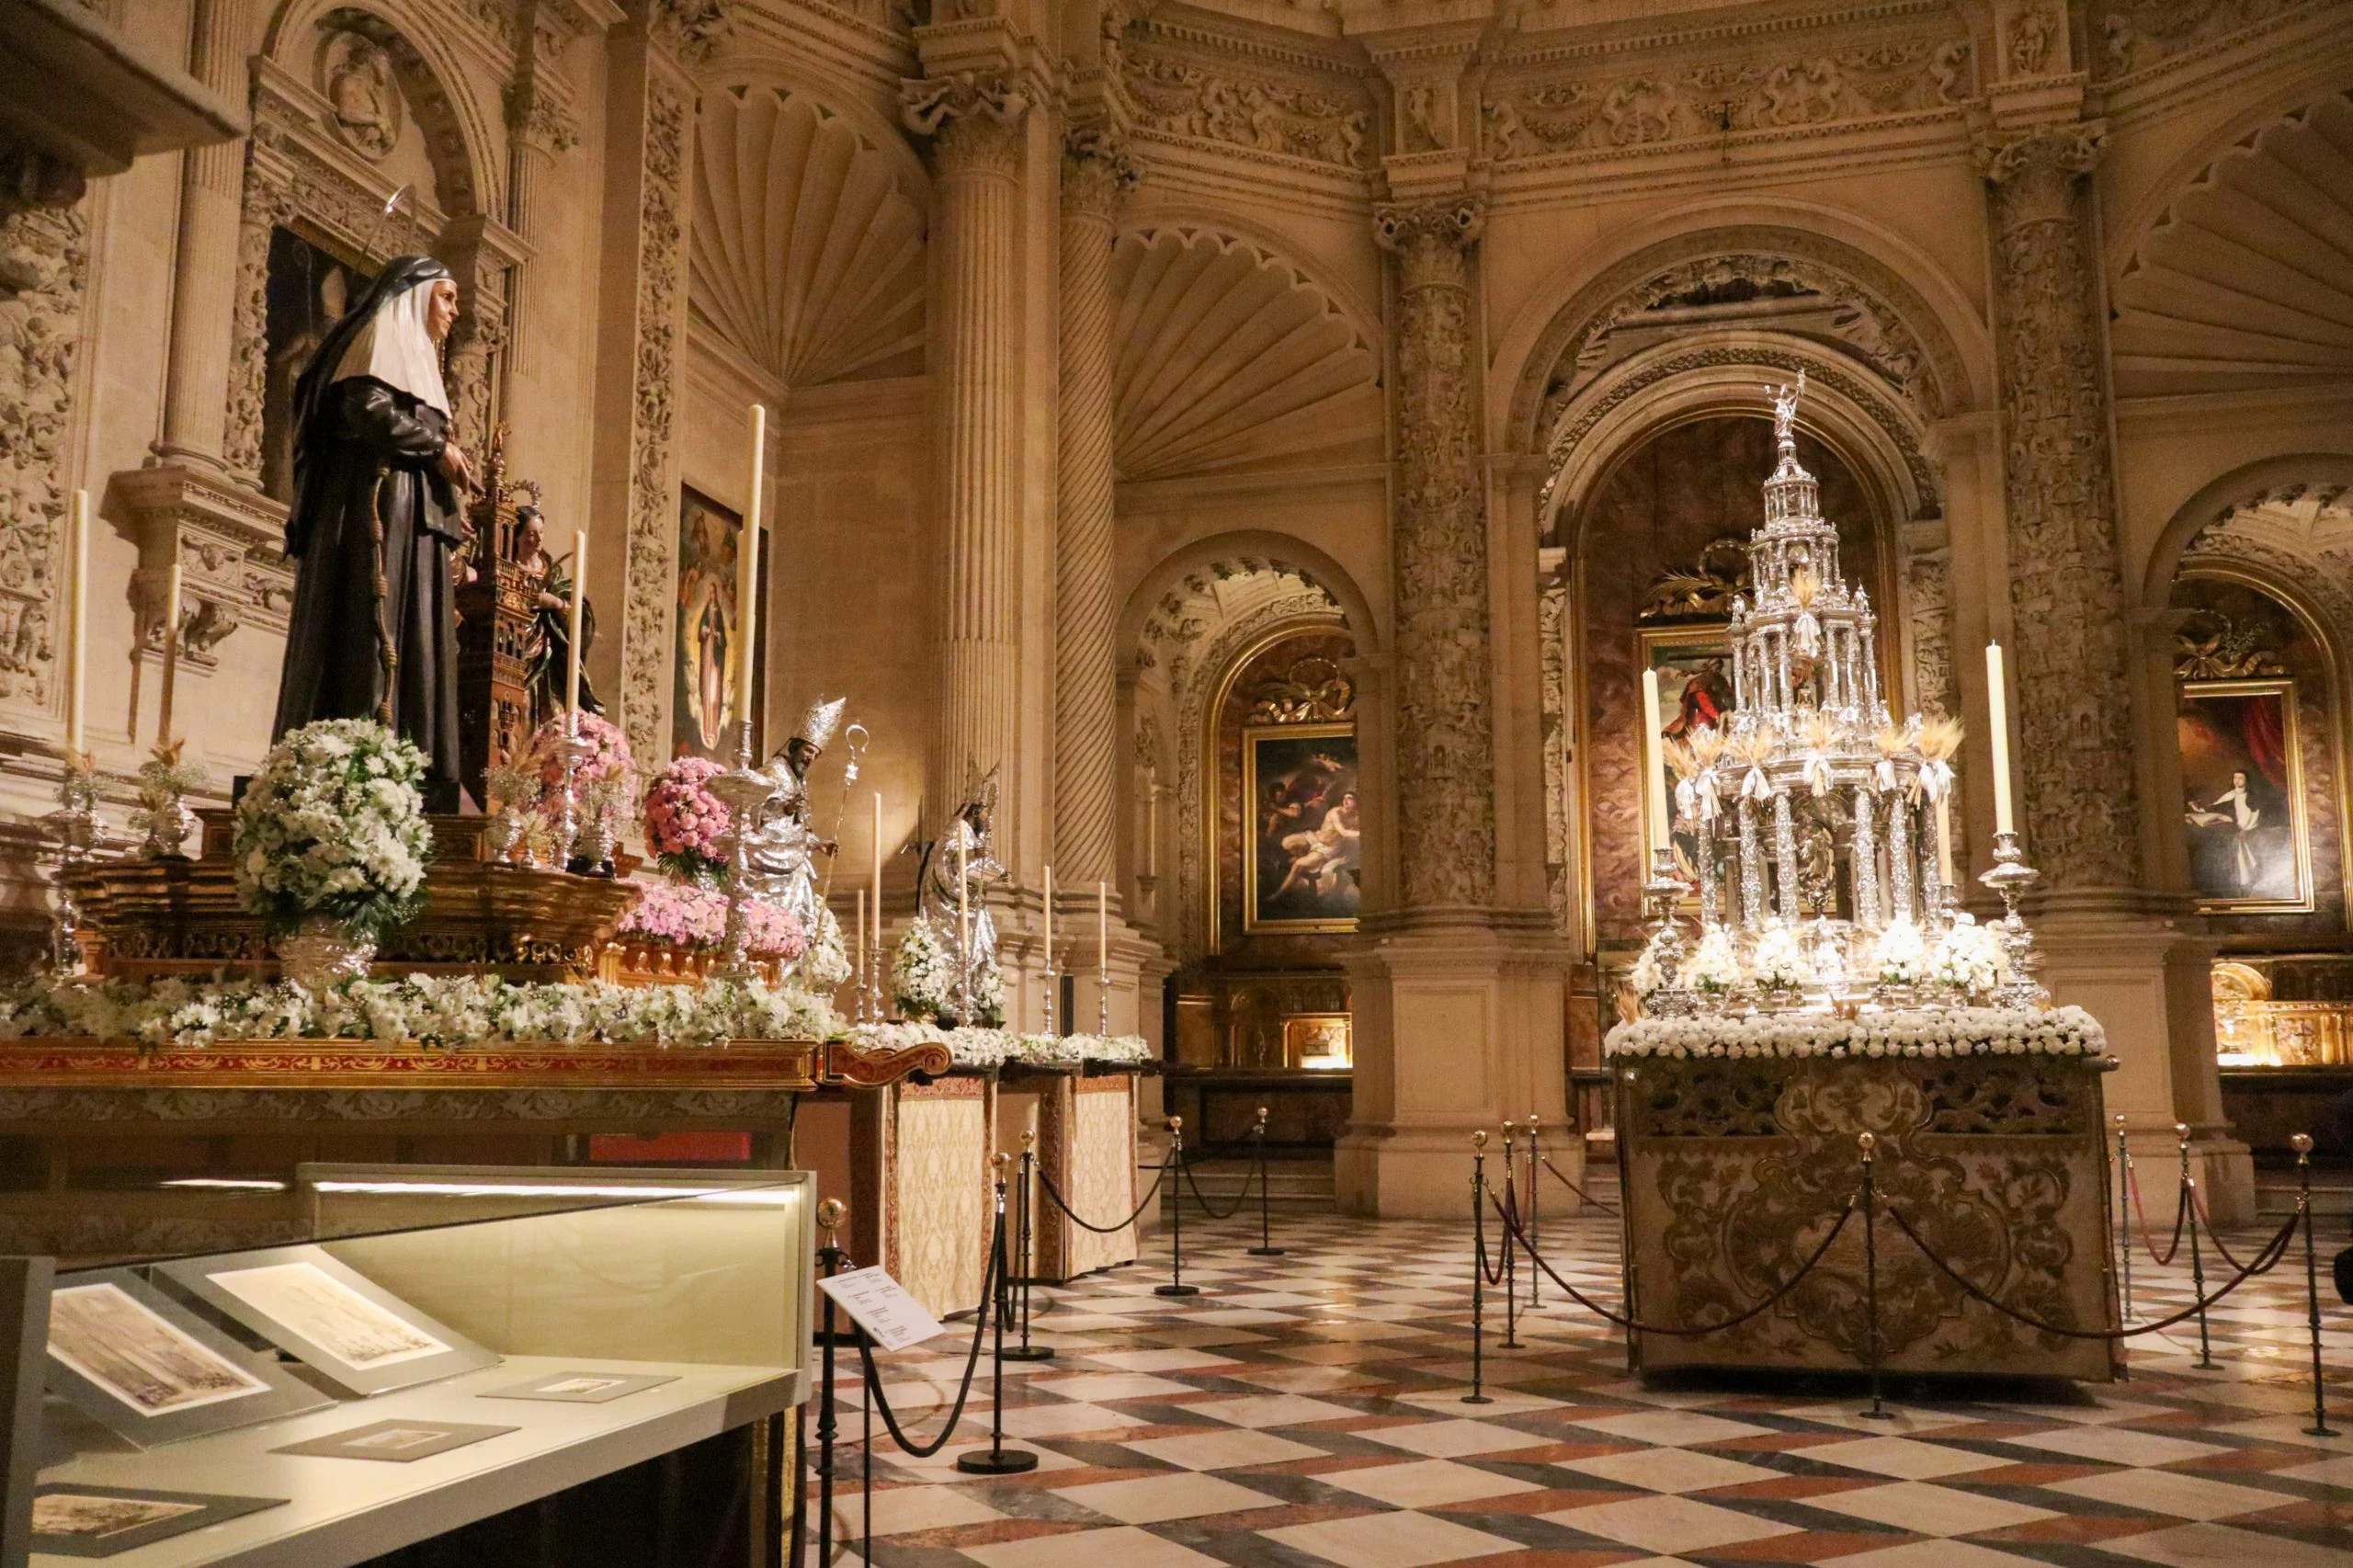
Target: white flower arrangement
922, 972
458, 1010
1969, 956
825, 965
1926, 1032
998, 1048
1903, 956
1713, 967
333, 825
1780, 962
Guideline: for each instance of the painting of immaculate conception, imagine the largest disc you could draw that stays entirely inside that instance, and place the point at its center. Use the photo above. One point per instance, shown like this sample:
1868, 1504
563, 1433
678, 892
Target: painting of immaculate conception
1694, 693
2243, 796
1302, 868
703, 692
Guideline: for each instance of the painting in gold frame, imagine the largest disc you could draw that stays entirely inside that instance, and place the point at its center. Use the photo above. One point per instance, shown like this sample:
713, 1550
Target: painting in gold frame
2243, 797
1694, 667
1301, 869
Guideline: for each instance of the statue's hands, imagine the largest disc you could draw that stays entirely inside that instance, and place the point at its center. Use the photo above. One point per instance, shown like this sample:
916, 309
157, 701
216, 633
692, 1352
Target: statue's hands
454, 466
830, 846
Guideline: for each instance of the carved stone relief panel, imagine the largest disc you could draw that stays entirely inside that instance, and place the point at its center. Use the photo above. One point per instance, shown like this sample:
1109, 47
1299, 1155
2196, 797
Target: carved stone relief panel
1553, 622
1307, 115
2129, 36
40, 330
1542, 109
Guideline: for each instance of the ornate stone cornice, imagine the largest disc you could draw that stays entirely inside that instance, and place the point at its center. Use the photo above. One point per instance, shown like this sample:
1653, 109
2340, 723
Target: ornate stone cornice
1432, 238
973, 115
1098, 173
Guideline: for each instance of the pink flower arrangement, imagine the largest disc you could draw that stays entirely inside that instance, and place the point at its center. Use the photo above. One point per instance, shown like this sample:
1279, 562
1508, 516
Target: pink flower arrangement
684, 915
611, 758
686, 824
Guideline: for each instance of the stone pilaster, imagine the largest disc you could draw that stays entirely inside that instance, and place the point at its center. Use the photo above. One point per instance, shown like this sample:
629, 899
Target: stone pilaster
1095, 177
204, 268
1445, 723
642, 333
976, 120
2080, 811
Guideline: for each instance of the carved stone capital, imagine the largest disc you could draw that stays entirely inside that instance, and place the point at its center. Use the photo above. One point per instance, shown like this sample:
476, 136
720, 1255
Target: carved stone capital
693, 30
228, 542
1098, 173
1432, 239
2034, 174
538, 121
974, 117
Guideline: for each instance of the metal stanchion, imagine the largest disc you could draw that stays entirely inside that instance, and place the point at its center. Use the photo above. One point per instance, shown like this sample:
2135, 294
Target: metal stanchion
1478, 1394
1534, 1274
829, 1257
997, 1459
1878, 1411
1025, 1247
1265, 1247
2124, 1210
2205, 1362
1176, 1286
2301, 1143
1511, 1280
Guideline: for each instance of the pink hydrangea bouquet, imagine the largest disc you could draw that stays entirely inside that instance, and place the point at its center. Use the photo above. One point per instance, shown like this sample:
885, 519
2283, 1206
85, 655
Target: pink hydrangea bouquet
684, 915
686, 824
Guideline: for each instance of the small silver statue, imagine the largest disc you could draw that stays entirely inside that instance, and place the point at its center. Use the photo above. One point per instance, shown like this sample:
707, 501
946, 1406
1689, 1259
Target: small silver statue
967, 839
781, 854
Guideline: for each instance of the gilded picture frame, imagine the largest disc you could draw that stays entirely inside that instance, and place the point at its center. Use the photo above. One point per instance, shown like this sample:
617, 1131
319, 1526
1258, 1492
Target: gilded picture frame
1694, 688
2243, 796
1302, 866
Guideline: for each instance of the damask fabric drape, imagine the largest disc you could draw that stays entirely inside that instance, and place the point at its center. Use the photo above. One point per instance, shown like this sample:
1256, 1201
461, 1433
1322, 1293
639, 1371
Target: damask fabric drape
373, 454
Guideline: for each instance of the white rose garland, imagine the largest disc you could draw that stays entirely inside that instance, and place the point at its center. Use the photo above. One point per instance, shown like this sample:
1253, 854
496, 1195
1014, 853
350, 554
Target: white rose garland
1939, 1032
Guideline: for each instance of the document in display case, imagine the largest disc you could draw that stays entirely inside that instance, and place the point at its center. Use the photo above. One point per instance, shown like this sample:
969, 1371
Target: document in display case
443, 1354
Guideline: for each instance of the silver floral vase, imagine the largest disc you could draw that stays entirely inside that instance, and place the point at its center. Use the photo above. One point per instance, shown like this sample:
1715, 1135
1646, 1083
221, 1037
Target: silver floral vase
323, 954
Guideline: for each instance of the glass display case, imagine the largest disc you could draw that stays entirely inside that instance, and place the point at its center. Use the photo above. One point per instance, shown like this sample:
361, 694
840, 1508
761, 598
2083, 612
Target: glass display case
518, 1364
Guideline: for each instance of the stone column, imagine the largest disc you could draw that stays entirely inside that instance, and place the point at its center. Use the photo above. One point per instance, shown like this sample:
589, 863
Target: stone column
1445, 722
1096, 177
633, 489
2113, 944
204, 270
976, 118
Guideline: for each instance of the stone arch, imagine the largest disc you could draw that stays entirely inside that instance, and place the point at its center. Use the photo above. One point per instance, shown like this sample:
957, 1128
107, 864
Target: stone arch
2218, 499
1811, 285
1227, 354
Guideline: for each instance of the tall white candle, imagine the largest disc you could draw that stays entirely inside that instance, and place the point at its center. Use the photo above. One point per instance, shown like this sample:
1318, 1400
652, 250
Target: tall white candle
77, 638
878, 873
1102, 928
1944, 838
1050, 918
579, 580
963, 896
859, 963
1998, 706
748, 564
1654, 784
171, 654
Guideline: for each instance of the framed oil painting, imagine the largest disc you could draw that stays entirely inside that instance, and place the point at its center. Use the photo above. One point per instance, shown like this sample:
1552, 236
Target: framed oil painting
2243, 803
702, 691
1695, 689
1300, 864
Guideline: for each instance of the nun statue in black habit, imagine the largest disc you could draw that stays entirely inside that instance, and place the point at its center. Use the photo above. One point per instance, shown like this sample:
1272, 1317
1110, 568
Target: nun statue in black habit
378, 493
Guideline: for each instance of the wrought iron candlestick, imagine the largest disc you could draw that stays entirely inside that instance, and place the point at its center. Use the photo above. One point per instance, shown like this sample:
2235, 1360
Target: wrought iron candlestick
2010, 878
742, 788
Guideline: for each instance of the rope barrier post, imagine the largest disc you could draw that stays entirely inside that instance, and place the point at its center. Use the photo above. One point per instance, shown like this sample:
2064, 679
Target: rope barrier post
1478, 1394
1026, 1248
1534, 1274
1878, 1411
1176, 1286
2124, 1212
1265, 1247
2205, 1362
2302, 1143
997, 1459
829, 1257
1511, 1278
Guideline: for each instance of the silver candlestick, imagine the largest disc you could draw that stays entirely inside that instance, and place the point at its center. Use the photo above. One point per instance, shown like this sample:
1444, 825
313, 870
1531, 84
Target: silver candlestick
2010, 878
571, 751
1053, 989
1665, 891
743, 789
76, 827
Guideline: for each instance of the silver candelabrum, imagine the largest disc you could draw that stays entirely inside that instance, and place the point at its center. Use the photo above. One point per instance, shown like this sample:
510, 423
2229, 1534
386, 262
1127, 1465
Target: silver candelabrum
75, 824
1665, 891
742, 788
572, 750
1054, 986
2010, 877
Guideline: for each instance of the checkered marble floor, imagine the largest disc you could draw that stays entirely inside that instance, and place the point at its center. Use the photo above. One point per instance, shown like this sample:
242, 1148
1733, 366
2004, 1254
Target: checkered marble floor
1305, 1411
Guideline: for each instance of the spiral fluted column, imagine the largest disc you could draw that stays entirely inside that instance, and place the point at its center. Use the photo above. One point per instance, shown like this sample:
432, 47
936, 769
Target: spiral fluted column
1095, 177
975, 335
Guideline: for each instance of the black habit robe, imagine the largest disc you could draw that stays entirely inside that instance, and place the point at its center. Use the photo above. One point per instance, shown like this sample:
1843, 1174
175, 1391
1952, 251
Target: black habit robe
373, 633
